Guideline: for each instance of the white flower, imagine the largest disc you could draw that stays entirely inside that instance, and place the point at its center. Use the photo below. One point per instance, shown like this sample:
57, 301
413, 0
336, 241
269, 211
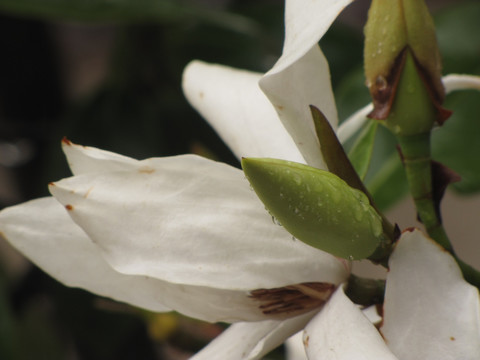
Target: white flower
430, 312
188, 234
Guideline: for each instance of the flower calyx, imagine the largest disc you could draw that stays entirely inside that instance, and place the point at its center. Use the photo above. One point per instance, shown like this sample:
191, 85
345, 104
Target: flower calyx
401, 49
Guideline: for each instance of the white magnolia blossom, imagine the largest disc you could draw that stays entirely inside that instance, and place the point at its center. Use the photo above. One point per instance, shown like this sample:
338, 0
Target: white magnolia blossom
430, 312
187, 234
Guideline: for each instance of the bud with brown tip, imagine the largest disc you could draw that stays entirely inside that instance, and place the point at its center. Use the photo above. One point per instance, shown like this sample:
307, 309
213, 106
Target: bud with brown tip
396, 30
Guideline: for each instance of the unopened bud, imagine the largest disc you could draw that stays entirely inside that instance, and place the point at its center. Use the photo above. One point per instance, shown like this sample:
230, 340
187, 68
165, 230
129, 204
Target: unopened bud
316, 207
395, 28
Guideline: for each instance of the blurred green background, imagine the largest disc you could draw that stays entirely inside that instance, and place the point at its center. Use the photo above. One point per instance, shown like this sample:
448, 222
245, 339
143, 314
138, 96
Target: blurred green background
107, 73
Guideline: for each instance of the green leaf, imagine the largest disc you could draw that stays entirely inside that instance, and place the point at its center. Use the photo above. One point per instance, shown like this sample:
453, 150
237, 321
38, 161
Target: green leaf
456, 144
316, 207
333, 153
390, 176
160, 11
361, 152
458, 40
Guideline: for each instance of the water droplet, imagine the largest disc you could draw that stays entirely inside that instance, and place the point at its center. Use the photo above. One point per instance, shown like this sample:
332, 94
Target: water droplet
297, 178
336, 196
276, 221
335, 220
358, 214
381, 83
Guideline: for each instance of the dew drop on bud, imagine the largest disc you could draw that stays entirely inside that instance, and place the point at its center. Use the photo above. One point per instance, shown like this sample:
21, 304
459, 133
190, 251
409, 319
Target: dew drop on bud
381, 83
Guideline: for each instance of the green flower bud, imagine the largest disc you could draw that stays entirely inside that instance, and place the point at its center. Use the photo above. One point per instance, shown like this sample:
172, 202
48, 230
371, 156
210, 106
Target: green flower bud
393, 28
412, 112
316, 207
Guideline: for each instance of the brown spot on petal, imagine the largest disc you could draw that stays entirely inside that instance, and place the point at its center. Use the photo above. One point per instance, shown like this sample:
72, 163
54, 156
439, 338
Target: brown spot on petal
65, 141
280, 107
69, 207
201, 95
88, 192
452, 338
293, 299
306, 341
146, 170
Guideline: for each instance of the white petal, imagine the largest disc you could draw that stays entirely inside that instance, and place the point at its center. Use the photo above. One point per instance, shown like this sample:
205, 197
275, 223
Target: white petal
453, 82
430, 311
232, 102
291, 91
85, 159
305, 24
294, 347
192, 221
341, 332
250, 341
371, 313
43, 231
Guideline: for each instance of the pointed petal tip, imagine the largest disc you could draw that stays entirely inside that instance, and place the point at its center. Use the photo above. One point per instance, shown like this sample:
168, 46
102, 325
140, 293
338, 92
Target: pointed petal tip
191, 71
66, 142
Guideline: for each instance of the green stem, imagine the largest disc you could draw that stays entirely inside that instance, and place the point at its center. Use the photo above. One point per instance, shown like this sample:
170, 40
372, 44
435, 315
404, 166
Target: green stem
469, 273
365, 291
418, 167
